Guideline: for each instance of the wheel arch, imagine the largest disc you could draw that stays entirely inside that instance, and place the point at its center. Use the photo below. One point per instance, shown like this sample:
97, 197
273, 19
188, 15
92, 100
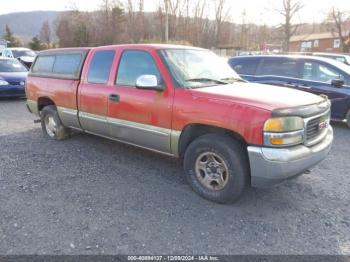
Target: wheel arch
44, 101
195, 130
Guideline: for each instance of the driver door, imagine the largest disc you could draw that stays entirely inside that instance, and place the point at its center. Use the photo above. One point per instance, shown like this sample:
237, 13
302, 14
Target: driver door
138, 116
317, 78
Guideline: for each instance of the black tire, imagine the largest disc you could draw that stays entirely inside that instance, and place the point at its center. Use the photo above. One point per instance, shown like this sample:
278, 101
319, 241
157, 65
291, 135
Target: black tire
60, 131
235, 157
348, 119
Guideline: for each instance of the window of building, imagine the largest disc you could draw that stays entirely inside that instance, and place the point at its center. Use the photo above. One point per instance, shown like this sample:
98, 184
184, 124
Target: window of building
336, 43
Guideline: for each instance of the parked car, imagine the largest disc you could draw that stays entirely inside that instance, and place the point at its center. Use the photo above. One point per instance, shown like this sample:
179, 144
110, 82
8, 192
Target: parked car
24, 55
339, 57
12, 77
187, 103
316, 75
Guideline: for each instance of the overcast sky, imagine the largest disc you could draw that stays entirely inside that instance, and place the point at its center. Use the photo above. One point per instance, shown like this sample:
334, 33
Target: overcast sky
258, 11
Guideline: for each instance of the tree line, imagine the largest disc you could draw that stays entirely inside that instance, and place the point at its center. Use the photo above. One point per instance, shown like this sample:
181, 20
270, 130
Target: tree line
204, 23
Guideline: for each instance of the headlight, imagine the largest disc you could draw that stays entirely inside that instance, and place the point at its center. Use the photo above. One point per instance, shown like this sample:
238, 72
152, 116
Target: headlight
284, 124
284, 131
3, 83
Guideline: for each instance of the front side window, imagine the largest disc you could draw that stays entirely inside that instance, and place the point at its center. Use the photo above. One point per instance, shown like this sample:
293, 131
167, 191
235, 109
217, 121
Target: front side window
134, 64
11, 65
314, 71
279, 67
192, 68
100, 67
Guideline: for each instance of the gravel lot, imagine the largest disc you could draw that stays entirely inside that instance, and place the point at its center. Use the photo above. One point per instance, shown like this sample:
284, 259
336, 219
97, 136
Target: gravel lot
88, 195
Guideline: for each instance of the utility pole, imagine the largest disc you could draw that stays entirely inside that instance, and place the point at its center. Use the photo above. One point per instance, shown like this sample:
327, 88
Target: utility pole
243, 39
166, 21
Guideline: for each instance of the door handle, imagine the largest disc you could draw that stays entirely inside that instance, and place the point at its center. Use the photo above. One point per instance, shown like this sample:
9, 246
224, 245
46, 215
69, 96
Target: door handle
305, 86
114, 97
290, 84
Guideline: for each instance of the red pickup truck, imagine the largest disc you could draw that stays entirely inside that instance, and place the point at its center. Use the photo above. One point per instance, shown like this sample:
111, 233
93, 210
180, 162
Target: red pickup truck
184, 102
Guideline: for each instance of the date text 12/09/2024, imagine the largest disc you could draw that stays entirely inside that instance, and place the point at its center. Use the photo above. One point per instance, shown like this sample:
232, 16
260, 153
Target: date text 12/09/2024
173, 258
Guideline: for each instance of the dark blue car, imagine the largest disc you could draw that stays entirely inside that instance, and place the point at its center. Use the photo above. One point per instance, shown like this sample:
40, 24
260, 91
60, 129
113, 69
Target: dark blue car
312, 74
13, 75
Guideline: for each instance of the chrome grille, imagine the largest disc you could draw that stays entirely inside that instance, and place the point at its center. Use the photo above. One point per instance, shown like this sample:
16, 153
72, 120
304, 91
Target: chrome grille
313, 129
314, 132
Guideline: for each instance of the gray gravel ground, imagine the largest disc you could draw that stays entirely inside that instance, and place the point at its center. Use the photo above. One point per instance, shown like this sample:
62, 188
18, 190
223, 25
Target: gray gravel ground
88, 195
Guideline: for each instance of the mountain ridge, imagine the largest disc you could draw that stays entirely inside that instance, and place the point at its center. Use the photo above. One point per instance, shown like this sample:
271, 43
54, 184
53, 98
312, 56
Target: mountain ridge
26, 25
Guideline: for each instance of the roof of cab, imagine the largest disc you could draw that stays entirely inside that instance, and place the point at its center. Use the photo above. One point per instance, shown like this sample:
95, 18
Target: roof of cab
65, 50
146, 46
152, 46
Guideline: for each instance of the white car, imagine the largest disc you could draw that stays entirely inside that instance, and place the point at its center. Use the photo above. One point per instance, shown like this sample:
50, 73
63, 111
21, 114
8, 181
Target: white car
24, 55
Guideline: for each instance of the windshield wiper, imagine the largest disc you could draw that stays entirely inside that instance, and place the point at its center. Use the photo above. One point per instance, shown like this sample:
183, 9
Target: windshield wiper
204, 80
234, 79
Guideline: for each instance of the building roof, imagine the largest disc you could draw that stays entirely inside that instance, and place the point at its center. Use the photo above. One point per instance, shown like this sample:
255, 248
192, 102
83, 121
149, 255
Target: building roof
310, 37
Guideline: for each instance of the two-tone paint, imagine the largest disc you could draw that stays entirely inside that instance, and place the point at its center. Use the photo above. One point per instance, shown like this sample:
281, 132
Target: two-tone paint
162, 120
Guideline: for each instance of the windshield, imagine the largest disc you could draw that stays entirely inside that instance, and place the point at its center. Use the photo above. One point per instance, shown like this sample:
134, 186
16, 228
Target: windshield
193, 68
19, 53
340, 66
11, 65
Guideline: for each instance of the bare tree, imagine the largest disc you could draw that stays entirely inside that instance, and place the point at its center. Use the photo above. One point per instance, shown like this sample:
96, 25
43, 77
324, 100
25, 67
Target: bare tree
135, 20
289, 10
221, 14
338, 18
45, 33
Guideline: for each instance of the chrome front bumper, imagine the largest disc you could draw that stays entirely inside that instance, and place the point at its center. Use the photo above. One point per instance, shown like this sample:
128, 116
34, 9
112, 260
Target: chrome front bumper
272, 166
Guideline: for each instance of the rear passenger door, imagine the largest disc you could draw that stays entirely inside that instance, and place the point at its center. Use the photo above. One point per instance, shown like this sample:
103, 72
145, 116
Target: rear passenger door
141, 117
94, 91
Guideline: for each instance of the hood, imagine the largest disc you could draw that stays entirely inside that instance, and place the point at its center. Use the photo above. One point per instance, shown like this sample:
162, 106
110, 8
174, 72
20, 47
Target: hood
267, 97
27, 59
13, 76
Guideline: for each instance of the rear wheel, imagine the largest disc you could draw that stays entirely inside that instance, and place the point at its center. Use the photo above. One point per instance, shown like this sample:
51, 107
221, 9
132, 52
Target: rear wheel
216, 167
52, 125
348, 119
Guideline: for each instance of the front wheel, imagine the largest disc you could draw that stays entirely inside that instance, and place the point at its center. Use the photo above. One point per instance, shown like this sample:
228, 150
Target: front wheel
52, 125
216, 167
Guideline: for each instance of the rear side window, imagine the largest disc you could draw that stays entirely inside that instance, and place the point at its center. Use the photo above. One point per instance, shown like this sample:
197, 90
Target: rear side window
67, 64
44, 64
134, 64
100, 67
279, 67
245, 66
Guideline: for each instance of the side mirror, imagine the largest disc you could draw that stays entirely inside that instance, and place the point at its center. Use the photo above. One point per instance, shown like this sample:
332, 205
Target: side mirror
338, 83
148, 82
